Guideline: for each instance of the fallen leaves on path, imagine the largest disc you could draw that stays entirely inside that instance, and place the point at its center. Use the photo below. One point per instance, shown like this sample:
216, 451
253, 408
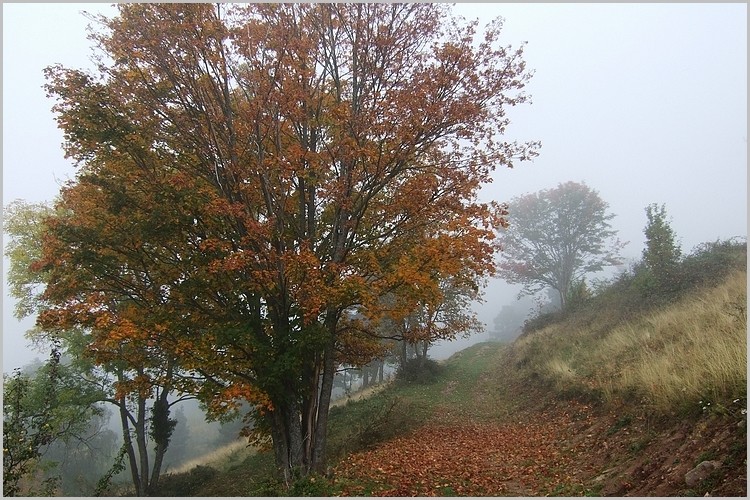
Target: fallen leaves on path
471, 459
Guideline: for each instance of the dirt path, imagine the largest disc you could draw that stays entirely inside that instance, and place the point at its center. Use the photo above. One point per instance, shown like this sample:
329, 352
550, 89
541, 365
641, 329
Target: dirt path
480, 447
473, 460
509, 439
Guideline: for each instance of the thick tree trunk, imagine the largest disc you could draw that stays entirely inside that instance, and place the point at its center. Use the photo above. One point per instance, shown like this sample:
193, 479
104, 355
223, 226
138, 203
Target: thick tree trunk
310, 403
297, 458
294, 456
280, 443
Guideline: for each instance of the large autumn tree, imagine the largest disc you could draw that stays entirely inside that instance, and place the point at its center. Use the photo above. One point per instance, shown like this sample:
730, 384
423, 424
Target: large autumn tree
557, 236
254, 177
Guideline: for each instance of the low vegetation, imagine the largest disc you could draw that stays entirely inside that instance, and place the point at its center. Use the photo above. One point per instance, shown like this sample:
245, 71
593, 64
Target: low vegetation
669, 352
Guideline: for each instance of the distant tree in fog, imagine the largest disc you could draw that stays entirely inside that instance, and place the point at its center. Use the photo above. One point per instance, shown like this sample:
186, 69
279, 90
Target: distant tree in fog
508, 322
557, 236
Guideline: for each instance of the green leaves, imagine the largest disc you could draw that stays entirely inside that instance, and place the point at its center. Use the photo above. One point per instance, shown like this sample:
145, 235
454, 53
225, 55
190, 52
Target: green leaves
37, 410
662, 253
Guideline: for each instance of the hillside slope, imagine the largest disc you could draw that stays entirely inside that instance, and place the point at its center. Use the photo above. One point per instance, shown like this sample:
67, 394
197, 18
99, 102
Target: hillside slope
607, 400
582, 406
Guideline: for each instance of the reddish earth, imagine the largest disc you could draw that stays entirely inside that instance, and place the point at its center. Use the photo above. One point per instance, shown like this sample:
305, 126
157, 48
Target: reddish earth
553, 447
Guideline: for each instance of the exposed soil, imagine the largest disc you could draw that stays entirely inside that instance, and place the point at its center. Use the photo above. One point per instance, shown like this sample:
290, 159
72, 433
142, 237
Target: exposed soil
545, 445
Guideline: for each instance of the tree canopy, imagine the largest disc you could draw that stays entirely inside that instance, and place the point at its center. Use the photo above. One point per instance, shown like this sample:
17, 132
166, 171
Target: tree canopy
254, 178
557, 236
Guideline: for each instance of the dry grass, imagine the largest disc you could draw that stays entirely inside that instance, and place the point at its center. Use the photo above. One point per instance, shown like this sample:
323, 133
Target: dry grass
694, 350
219, 458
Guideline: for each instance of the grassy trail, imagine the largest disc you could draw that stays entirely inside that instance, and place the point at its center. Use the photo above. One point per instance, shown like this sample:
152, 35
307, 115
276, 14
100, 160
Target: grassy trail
478, 439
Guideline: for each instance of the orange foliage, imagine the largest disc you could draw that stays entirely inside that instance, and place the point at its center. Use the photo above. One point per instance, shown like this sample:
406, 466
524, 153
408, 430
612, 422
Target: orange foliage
251, 176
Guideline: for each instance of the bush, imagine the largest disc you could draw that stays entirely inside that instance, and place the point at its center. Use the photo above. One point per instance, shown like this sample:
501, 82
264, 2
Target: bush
709, 263
419, 371
185, 484
308, 486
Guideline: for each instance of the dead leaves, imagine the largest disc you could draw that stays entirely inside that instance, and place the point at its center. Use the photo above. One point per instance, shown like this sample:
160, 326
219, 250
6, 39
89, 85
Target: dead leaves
470, 459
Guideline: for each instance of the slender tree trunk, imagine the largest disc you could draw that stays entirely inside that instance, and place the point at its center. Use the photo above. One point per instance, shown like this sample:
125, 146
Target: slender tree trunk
318, 461
128, 442
140, 439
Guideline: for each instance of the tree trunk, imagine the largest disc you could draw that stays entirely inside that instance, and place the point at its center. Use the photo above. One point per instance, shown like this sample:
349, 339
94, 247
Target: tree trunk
128, 442
280, 443
140, 439
310, 403
162, 431
299, 429
318, 462
298, 462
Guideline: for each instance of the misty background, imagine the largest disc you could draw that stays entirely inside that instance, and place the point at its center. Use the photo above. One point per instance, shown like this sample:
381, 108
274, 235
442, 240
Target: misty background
645, 103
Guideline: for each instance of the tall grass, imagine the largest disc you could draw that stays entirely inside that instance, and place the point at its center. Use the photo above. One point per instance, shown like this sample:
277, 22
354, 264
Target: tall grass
695, 351
671, 359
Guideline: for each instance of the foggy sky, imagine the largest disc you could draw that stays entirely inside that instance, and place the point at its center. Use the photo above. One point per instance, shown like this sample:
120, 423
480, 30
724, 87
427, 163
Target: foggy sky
645, 103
